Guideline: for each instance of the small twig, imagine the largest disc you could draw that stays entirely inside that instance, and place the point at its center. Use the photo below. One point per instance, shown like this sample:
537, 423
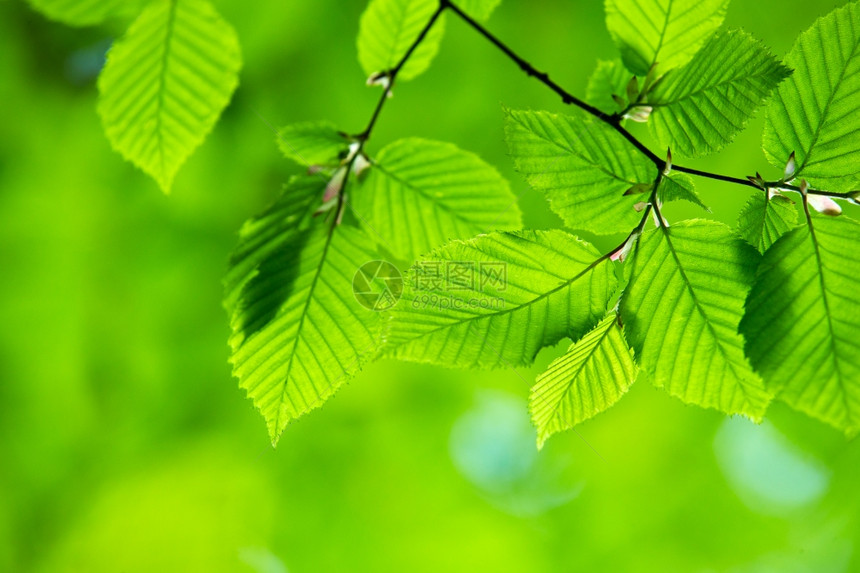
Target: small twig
614, 120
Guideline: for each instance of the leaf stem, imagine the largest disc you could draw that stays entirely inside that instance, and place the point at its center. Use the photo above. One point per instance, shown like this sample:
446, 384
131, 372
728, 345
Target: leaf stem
391, 75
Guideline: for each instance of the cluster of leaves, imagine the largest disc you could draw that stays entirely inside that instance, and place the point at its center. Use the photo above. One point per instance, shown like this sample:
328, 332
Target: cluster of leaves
166, 81
724, 318
719, 317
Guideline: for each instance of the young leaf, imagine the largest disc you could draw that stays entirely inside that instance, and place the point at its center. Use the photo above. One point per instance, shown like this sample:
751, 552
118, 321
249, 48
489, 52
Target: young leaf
478, 9
389, 27
593, 375
679, 187
165, 84
609, 79
803, 318
496, 300
667, 32
681, 310
85, 12
582, 165
312, 143
298, 331
700, 108
765, 219
420, 194
816, 112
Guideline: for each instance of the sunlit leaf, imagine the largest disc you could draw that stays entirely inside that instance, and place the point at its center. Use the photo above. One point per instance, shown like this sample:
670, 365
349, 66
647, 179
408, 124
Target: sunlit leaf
478, 9
593, 375
312, 143
420, 194
681, 311
298, 331
667, 32
679, 186
765, 219
608, 79
496, 300
803, 318
582, 165
165, 84
389, 27
701, 107
816, 112
85, 12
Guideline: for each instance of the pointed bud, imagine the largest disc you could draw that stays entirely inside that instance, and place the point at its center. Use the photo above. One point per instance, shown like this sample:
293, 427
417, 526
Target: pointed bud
758, 181
640, 114
379, 79
633, 90
326, 207
335, 185
639, 189
658, 218
668, 169
360, 164
354, 148
824, 205
790, 168
619, 101
621, 254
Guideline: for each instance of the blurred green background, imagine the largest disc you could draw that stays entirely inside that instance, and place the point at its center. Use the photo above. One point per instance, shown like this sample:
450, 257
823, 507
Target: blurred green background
126, 446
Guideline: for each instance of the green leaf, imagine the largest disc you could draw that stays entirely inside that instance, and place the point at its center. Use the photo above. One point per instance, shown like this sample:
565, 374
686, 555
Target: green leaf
679, 187
681, 311
765, 219
298, 331
582, 165
700, 108
608, 79
593, 375
803, 319
815, 113
312, 143
667, 32
420, 194
85, 12
165, 84
497, 299
478, 9
389, 27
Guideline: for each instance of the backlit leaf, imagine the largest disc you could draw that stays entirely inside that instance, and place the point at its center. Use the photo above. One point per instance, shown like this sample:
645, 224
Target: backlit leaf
389, 27
420, 194
700, 108
803, 318
494, 301
816, 112
165, 84
765, 219
593, 375
667, 32
681, 311
298, 331
582, 165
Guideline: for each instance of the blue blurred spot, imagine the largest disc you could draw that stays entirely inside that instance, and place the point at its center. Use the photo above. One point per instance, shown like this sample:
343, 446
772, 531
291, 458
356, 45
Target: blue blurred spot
83, 66
767, 472
494, 446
